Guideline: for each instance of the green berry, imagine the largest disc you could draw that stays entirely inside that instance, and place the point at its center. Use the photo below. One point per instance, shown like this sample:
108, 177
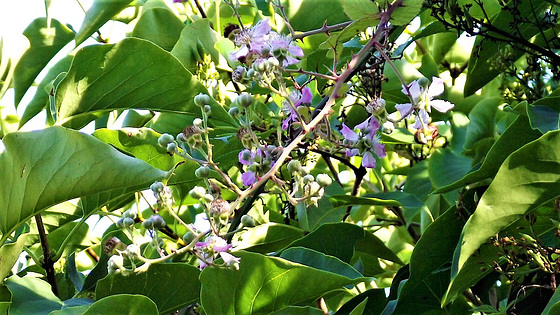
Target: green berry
127, 222
148, 224
308, 178
247, 220
202, 172
324, 180
202, 100
294, 166
165, 139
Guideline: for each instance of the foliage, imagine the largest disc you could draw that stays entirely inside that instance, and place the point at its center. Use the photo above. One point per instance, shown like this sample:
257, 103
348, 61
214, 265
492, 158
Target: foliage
273, 157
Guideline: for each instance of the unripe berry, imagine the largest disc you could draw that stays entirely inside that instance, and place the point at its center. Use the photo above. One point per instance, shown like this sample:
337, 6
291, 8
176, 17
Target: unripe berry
197, 122
308, 178
181, 137
207, 109
159, 223
171, 147
188, 237
202, 100
324, 180
165, 139
202, 172
127, 222
244, 100
157, 187
247, 220
130, 214
233, 111
294, 166
148, 224
197, 192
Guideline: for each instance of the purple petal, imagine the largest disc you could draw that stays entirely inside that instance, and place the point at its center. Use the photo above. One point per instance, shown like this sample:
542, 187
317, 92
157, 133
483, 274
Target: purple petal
289, 60
442, 106
348, 133
295, 51
404, 109
229, 259
422, 114
248, 178
415, 90
373, 124
352, 152
243, 161
306, 95
379, 150
436, 88
240, 53
368, 160
261, 28
363, 125
222, 248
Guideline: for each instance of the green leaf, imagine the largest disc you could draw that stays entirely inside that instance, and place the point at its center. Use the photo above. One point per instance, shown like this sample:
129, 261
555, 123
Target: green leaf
485, 51
158, 24
528, 178
299, 310
376, 300
357, 9
44, 42
128, 75
554, 302
170, 286
196, 40
31, 296
482, 118
267, 238
406, 12
447, 167
543, 113
123, 304
263, 285
318, 260
309, 15
98, 14
75, 310
430, 265
9, 254
5, 299
41, 97
516, 135
43, 168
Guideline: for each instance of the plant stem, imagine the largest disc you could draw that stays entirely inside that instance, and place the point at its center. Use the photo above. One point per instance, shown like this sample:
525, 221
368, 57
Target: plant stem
48, 262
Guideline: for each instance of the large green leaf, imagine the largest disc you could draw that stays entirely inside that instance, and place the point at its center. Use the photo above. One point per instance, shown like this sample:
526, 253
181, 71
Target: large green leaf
375, 302
45, 41
516, 135
528, 177
31, 296
98, 14
543, 113
123, 304
134, 73
43, 168
171, 286
430, 265
317, 260
308, 15
263, 285
158, 24
196, 40
482, 118
267, 238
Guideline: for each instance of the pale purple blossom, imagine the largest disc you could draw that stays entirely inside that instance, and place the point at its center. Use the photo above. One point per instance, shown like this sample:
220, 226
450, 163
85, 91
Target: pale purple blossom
422, 98
248, 178
366, 137
297, 98
246, 156
210, 247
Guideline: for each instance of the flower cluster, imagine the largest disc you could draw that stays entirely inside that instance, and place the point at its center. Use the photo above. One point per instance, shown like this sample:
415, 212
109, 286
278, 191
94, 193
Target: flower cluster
296, 99
422, 100
260, 43
364, 142
211, 248
258, 162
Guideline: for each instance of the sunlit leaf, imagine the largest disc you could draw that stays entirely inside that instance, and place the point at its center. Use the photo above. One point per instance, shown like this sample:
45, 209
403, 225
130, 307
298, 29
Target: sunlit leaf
196, 40
46, 38
267, 238
43, 168
158, 24
98, 14
125, 304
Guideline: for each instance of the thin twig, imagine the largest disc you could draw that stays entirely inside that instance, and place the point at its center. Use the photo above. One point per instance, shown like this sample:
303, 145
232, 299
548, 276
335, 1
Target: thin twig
48, 263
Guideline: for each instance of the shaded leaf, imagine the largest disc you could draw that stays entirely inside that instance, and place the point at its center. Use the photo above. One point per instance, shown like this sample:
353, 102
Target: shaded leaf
262, 285
43, 168
44, 42
482, 118
98, 14
528, 177
9, 254
375, 300
308, 15
317, 260
196, 40
31, 296
159, 284
123, 304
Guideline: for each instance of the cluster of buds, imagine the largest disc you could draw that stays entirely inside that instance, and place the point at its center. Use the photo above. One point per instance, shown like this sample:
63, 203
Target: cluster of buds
117, 252
127, 219
310, 188
163, 194
364, 142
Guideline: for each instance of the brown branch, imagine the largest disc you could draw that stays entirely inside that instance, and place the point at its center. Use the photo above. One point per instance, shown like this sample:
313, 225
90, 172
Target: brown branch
48, 263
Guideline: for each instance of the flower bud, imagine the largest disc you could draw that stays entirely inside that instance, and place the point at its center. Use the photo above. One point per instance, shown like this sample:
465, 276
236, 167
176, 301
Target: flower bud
130, 214
207, 109
197, 122
244, 100
202, 100
233, 111
294, 166
165, 139
181, 137
197, 192
159, 223
133, 250
247, 220
324, 180
171, 147
308, 178
208, 198
424, 83
148, 224
188, 237
388, 127
202, 172
115, 262
128, 222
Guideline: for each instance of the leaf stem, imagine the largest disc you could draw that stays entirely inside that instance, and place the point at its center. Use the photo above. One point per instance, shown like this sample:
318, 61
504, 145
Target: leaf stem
47, 261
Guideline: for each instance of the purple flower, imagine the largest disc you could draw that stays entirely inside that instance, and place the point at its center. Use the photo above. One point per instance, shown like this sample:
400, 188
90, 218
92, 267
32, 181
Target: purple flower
248, 178
230, 260
246, 156
251, 39
367, 135
297, 98
423, 101
282, 45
